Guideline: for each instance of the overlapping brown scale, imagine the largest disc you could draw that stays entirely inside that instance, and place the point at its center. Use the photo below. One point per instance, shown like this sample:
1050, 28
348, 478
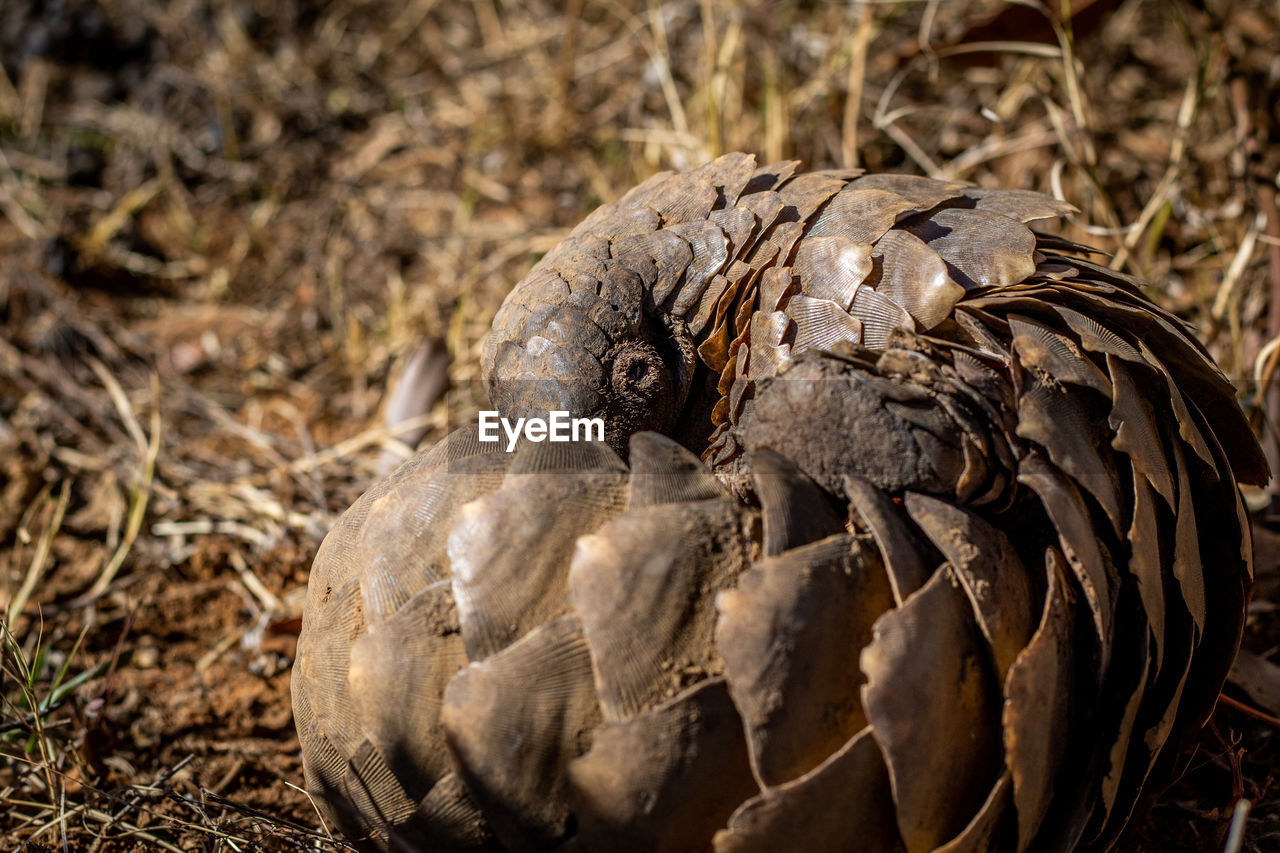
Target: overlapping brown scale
641, 194
1222, 526
399, 706
590, 239
624, 222
1147, 564
324, 655
1039, 346
821, 323
580, 267
778, 246
766, 207
849, 792
685, 197
721, 437
733, 314
644, 586
802, 195
879, 316
665, 251
356, 780
923, 193
860, 215
1054, 270
1067, 510
510, 549
703, 312
987, 249
767, 352
794, 510
790, 633
323, 767
1039, 697
558, 267
736, 366
663, 472
1230, 495
934, 708
585, 319
1065, 426
738, 391
795, 414
769, 177
739, 225
555, 325
370, 776
544, 360
1054, 243
989, 570
1022, 205
732, 382
915, 277
764, 251
1129, 705
1150, 736
1136, 434
1166, 344
1129, 755
977, 473
370, 794
1126, 308
401, 546
977, 373
514, 722
832, 267
448, 820
1187, 427
729, 173
776, 285
337, 552
714, 351
665, 779
990, 828
710, 254
1032, 287
1187, 565
1094, 287
976, 324
1129, 283
908, 562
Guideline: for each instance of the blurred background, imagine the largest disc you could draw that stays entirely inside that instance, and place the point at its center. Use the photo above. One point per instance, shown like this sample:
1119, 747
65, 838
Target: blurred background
225, 227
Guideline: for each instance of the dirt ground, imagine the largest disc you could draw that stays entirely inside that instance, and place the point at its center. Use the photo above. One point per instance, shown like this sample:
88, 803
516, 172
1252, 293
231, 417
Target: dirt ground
225, 225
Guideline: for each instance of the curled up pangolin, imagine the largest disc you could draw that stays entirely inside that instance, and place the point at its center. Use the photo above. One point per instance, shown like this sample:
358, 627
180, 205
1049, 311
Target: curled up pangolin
962, 566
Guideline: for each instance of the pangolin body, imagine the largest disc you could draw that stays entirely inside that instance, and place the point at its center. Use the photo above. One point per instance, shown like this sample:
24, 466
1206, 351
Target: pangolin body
962, 564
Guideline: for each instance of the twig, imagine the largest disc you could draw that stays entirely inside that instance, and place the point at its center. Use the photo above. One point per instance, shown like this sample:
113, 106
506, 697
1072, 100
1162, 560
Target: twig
356, 443
857, 81
136, 796
269, 601
1249, 711
140, 493
41, 555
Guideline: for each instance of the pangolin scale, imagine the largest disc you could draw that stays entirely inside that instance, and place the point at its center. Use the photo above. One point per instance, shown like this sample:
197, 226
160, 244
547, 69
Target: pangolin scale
927, 538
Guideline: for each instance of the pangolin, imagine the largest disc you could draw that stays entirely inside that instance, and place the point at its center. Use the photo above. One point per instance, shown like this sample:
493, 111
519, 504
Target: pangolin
914, 529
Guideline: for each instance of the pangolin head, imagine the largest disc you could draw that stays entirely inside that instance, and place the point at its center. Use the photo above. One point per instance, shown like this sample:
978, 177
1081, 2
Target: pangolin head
586, 343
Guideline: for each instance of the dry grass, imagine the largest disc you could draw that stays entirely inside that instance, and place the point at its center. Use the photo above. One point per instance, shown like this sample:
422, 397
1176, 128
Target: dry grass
225, 225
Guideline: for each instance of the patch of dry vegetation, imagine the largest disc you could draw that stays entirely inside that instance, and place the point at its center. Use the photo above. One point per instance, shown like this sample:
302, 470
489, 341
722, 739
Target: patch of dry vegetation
225, 225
